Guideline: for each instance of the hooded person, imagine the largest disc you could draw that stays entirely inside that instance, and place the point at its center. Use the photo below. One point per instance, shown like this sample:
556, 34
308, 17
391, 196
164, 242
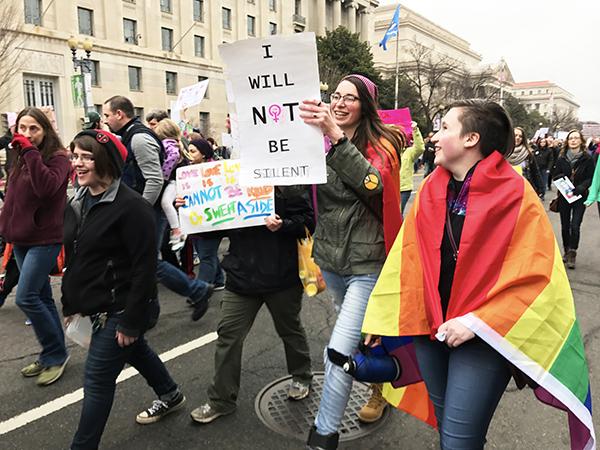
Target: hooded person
110, 279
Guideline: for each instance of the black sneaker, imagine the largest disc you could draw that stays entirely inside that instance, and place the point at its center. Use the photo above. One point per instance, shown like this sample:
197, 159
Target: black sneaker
159, 409
201, 305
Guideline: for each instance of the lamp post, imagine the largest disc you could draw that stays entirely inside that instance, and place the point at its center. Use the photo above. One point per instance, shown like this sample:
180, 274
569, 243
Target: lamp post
324, 87
83, 65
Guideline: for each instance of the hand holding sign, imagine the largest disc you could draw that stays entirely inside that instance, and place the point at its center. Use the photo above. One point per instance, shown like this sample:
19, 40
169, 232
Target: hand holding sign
315, 112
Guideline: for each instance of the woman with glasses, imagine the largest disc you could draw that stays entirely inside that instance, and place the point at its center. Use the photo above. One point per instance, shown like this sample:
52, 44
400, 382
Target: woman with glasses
358, 219
32, 220
111, 278
577, 165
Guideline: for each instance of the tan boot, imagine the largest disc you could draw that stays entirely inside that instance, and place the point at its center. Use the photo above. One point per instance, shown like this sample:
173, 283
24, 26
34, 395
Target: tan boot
566, 254
373, 410
571, 257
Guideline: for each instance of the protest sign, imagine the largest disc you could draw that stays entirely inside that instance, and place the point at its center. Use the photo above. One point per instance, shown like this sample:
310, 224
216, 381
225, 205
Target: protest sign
566, 188
175, 111
269, 79
77, 90
399, 117
214, 199
192, 95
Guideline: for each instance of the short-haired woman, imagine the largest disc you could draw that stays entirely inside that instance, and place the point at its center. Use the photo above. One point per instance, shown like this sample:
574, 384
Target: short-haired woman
111, 278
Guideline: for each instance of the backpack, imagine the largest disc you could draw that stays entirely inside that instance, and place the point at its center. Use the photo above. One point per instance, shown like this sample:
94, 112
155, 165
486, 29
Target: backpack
132, 175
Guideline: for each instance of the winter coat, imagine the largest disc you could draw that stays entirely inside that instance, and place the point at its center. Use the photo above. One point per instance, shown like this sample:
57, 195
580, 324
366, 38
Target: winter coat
111, 257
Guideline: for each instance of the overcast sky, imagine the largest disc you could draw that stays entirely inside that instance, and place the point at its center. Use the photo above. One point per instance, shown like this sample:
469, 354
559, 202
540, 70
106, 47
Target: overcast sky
540, 40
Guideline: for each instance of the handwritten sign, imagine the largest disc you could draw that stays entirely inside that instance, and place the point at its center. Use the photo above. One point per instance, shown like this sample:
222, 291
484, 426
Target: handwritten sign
399, 117
214, 199
192, 95
269, 79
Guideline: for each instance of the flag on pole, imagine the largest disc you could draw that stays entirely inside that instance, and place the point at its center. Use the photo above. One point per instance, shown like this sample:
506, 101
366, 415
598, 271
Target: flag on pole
392, 30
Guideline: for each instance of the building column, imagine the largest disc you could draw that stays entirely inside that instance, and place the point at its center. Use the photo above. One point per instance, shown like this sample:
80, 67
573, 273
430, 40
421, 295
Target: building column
337, 13
352, 18
365, 16
321, 16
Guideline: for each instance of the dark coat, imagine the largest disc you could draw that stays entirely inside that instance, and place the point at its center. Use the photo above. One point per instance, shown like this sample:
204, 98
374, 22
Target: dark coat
580, 173
260, 261
111, 257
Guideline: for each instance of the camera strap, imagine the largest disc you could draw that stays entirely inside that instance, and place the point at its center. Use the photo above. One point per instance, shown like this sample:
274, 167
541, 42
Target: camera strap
338, 358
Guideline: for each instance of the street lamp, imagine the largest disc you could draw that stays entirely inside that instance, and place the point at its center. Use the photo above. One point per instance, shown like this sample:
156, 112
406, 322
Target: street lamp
83, 64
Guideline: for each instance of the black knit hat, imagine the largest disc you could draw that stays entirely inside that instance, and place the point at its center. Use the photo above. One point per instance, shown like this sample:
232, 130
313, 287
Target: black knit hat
204, 147
115, 149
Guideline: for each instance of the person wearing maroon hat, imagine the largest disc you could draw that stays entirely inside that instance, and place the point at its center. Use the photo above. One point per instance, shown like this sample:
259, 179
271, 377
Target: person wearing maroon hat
32, 220
111, 279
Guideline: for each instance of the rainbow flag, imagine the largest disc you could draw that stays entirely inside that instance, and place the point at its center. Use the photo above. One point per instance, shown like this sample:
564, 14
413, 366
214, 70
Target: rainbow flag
510, 289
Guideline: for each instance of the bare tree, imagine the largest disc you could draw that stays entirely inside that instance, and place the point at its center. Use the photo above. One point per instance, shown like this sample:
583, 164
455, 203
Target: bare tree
564, 119
433, 77
10, 47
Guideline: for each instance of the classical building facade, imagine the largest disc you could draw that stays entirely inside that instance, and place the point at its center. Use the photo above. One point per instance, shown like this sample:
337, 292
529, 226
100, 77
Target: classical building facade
415, 28
546, 97
149, 49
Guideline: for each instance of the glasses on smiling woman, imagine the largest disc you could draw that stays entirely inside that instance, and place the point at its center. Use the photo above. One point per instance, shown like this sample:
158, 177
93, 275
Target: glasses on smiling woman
84, 158
348, 99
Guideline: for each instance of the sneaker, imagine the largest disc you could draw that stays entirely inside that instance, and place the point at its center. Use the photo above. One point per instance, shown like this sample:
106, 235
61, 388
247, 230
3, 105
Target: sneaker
159, 409
32, 370
28, 322
51, 374
206, 414
177, 241
373, 410
219, 286
298, 390
201, 305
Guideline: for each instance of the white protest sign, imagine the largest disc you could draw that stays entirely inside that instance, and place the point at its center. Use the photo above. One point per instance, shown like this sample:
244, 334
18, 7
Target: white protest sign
269, 79
192, 95
566, 188
175, 111
214, 199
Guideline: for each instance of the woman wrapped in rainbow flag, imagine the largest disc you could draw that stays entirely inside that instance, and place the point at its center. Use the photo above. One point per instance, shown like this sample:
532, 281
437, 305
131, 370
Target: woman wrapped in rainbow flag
476, 279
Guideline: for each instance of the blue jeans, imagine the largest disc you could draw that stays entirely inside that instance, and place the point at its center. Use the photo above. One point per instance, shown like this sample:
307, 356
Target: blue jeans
404, 197
465, 385
210, 267
104, 363
170, 276
350, 296
34, 297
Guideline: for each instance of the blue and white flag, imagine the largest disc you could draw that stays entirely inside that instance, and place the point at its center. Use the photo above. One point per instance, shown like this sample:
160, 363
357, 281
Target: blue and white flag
392, 30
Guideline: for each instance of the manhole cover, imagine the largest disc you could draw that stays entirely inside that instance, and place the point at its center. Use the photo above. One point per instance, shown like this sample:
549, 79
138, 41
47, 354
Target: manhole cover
294, 418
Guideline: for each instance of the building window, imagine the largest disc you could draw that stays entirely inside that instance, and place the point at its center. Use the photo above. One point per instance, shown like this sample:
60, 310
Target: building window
167, 39
165, 6
135, 78
138, 112
201, 78
272, 28
199, 10
530, 92
537, 106
33, 12
86, 21
226, 18
171, 81
298, 7
205, 123
251, 26
199, 46
252, 2
130, 31
272, 5
95, 72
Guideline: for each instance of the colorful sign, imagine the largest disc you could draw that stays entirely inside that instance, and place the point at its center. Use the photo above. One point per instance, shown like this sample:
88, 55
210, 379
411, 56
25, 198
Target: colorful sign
214, 199
77, 90
269, 80
399, 117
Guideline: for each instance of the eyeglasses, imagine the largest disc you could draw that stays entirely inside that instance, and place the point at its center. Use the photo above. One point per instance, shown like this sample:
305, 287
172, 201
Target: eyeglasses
83, 158
347, 99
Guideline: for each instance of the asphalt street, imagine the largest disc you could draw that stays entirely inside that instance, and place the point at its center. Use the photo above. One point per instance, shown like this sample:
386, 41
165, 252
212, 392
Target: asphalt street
520, 422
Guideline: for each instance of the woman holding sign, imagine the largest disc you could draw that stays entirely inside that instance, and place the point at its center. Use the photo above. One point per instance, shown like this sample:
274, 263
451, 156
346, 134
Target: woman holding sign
577, 165
359, 218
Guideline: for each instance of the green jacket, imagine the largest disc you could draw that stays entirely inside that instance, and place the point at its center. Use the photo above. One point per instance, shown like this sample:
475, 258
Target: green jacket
594, 195
349, 236
409, 156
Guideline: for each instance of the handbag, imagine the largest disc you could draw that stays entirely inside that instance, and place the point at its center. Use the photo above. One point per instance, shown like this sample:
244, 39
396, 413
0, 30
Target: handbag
309, 272
554, 205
